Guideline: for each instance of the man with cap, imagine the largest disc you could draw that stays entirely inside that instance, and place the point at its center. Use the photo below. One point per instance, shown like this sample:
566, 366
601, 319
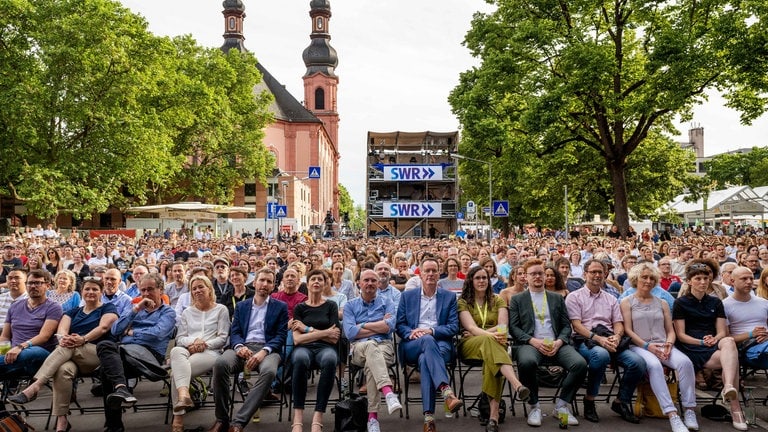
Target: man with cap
221, 284
10, 262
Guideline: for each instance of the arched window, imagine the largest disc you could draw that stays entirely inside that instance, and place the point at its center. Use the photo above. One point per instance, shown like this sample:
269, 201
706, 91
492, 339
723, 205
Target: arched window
319, 99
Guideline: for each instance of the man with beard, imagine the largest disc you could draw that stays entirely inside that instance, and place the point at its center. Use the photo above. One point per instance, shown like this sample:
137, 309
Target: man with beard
258, 334
30, 327
369, 322
386, 290
589, 308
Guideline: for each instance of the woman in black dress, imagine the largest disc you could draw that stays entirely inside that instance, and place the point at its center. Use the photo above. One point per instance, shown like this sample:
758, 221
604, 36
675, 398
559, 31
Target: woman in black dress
316, 331
699, 320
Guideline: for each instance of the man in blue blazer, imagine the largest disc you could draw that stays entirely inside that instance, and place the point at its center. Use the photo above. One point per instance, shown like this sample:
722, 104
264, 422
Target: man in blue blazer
427, 321
257, 337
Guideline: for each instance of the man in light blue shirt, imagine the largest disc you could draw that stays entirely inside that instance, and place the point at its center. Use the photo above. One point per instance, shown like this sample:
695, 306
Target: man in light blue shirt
369, 321
386, 289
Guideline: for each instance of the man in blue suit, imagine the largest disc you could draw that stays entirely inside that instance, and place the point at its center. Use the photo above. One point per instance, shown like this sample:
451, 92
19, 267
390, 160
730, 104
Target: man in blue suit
427, 321
257, 337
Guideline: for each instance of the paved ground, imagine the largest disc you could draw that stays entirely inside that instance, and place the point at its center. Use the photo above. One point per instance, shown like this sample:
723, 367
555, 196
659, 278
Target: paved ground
153, 420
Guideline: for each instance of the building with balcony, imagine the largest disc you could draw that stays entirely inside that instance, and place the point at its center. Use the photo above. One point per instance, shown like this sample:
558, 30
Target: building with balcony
412, 183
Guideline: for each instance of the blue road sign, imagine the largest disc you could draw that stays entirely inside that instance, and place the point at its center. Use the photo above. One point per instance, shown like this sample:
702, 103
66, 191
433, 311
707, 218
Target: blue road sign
281, 211
500, 208
314, 172
271, 210
459, 215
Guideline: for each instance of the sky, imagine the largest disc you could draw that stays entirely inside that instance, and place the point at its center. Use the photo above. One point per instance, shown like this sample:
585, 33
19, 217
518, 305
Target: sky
398, 62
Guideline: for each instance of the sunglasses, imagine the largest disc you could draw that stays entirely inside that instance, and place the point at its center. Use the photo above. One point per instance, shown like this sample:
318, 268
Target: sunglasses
92, 279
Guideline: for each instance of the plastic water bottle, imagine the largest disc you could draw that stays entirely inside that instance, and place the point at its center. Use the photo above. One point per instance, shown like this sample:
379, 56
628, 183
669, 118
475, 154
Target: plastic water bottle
749, 406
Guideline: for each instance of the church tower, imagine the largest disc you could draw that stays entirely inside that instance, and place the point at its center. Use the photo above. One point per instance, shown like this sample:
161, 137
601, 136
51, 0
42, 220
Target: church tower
234, 13
320, 80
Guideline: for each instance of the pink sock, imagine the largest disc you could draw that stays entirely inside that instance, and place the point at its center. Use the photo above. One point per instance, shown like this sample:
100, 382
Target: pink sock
386, 390
373, 415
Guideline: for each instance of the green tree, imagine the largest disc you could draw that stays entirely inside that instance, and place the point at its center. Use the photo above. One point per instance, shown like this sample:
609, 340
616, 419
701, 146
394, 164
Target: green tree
592, 83
74, 133
219, 122
96, 111
346, 205
731, 169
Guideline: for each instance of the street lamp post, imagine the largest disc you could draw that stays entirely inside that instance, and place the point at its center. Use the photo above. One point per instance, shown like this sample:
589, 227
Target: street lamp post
490, 190
285, 203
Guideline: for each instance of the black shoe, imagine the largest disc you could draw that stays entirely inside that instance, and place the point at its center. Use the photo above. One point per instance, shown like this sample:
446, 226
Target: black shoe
492, 426
590, 411
625, 411
121, 397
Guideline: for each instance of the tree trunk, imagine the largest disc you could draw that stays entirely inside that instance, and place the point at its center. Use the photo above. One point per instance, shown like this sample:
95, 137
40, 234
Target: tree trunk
619, 182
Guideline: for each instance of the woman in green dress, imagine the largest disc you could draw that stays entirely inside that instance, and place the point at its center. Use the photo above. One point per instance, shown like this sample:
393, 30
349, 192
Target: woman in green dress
484, 318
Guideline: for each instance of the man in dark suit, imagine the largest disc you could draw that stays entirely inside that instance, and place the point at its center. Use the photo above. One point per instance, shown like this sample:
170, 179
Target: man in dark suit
539, 324
257, 337
427, 321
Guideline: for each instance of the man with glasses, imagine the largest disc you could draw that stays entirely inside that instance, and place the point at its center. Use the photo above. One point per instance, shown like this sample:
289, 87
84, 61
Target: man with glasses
30, 327
753, 263
138, 272
143, 333
593, 311
427, 321
221, 284
541, 329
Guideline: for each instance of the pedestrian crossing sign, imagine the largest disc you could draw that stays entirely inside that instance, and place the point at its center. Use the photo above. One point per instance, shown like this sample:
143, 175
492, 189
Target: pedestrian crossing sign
501, 208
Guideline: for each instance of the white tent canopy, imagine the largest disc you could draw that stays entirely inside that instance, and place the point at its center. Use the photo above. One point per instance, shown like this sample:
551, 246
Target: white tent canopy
190, 210
729, 203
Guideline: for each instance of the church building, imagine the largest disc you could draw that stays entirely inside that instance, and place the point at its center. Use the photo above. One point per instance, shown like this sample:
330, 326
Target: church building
301, 135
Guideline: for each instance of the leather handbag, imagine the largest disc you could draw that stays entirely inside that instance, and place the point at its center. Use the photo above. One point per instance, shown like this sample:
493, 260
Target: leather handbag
13, 423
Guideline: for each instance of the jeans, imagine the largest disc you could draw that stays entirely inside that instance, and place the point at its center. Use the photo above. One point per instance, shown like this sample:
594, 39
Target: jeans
27, 363
431, 356
597, 361
326, 358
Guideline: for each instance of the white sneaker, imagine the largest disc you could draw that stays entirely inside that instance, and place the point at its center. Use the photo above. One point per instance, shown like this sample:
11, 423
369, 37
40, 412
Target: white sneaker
572, 420
689, 418
373, 425
534, 417
677, 424
393, 404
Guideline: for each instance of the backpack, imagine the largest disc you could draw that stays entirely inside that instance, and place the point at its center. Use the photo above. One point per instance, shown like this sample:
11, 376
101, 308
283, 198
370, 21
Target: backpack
351, 415
484, 407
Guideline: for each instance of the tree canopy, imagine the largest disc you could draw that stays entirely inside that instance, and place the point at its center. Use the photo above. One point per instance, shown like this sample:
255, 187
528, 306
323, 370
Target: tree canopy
96, 111
750, 169
584, 93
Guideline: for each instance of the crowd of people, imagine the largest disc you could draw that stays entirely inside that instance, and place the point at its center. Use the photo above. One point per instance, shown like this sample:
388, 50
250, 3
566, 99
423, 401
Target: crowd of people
689, 303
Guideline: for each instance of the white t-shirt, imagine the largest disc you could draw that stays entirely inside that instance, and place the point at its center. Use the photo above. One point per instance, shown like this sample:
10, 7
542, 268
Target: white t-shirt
745, 316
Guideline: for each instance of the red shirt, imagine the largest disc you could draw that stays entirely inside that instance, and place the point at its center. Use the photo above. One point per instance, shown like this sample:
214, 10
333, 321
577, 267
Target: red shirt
665, 282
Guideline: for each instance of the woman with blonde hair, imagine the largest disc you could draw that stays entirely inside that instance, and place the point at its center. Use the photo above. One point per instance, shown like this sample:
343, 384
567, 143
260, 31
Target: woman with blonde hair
648, 322
64, 290
202, 333
762, 284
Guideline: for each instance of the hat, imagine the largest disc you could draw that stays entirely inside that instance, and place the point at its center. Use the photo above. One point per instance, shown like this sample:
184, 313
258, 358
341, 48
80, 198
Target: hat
9, 246
221, 259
